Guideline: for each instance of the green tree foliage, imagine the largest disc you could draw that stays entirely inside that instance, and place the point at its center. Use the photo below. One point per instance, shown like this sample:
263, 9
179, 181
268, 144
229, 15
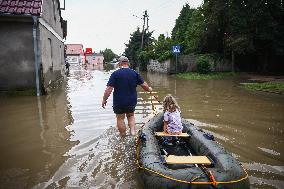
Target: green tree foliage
139, 56
251, 30
267, 29
189, 29
202, 64
195, 30
181, 27
247, 28
162, 48
109, 55
133, 47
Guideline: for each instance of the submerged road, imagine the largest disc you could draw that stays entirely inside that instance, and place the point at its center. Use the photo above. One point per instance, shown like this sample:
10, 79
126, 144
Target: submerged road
65, 139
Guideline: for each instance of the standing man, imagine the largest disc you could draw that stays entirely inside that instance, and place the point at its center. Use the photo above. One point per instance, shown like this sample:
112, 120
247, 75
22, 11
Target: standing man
124, 82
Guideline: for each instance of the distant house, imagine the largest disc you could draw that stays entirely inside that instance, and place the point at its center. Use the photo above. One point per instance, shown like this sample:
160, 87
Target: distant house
95, 58
99, 58
75, 53
32, 33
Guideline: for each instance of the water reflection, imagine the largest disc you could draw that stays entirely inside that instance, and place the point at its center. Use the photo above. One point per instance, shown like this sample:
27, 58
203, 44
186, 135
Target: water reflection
249, 125
100, 157
67, 140
33, 138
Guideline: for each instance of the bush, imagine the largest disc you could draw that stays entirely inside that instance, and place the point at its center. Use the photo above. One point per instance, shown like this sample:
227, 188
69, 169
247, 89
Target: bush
202, 64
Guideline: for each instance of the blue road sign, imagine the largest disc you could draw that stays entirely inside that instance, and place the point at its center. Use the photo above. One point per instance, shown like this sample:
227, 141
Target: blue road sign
176, 49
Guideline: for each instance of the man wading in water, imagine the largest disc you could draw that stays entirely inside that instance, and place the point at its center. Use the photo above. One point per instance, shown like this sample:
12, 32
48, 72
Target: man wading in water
124, 82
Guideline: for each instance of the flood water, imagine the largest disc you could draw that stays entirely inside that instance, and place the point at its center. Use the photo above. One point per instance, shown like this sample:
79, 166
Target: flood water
66, 140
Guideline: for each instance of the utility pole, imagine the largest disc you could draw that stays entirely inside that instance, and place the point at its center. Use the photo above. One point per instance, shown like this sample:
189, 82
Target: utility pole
145, 21
143, 30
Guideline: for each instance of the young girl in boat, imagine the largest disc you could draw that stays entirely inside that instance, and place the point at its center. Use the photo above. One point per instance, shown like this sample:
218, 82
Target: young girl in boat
172, 118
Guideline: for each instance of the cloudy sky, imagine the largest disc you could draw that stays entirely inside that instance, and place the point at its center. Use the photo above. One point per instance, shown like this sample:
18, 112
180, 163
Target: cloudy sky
101, 24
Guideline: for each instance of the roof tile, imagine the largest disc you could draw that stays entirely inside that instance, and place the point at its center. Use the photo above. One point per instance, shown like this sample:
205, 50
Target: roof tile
11, 9
21, 7
4, 3
74, 49
2, 9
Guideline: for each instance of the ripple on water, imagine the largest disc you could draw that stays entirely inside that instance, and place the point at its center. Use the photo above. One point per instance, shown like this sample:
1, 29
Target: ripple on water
105, 161
265, 176
269, 151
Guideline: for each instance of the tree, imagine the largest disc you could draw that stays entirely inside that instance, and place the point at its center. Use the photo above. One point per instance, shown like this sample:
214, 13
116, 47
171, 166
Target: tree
181, 26
162, 48
133, 48
108, 55
267, 28
194, 31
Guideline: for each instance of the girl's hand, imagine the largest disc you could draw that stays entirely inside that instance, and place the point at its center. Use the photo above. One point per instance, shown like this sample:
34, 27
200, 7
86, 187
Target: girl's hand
165, 127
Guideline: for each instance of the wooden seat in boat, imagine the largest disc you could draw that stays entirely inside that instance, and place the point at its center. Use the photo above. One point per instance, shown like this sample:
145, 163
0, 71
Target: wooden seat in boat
170, 135
172, 159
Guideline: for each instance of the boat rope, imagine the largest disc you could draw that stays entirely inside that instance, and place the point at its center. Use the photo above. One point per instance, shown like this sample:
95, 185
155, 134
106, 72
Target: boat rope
212, 179
214, 182
210, 175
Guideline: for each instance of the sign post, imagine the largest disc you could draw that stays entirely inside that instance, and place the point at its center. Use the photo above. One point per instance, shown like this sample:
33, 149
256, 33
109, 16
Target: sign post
176, 51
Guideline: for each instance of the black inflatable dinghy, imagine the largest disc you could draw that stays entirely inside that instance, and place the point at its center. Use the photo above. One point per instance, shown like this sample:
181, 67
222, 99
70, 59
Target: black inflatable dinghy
191, 160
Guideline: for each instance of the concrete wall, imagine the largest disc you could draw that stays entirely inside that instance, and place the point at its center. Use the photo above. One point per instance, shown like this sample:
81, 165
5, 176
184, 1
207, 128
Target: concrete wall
50, 13
51, 46
186, 63
16, 55
51, 56
17, 60
159, 67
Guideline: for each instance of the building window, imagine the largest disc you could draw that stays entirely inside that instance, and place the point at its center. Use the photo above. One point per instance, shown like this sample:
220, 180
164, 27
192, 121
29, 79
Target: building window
51, 54
54, 9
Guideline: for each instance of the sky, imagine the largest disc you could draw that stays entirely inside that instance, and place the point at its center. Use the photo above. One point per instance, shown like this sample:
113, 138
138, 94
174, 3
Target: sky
101, 24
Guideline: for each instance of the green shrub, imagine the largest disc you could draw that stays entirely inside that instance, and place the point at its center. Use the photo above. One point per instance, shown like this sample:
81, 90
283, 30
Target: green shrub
202, 64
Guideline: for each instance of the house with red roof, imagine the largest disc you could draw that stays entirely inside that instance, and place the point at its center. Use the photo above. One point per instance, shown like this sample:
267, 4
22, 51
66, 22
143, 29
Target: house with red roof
75, 53
32, 34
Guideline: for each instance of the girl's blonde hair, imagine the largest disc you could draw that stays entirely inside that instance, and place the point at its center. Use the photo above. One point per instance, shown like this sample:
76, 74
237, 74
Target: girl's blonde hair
170, 104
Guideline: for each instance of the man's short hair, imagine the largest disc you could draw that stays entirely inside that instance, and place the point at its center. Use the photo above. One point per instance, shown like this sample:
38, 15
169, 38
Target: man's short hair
123, 59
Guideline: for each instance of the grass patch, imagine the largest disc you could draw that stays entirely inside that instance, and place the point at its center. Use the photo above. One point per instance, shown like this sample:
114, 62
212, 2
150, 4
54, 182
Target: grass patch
213, 75
267, 87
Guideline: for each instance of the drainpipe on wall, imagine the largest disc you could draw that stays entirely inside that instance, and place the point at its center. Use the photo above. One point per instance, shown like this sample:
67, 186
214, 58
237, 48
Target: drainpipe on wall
35, 39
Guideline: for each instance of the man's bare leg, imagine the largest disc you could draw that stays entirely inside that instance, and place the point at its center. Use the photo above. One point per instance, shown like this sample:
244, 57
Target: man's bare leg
120, 124
131, 123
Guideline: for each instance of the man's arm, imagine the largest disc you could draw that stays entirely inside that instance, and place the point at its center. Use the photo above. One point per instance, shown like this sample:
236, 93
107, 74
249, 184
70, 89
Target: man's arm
146, 87
106, 95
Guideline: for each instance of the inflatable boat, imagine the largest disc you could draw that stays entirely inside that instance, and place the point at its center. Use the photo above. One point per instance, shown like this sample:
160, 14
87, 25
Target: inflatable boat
190, 160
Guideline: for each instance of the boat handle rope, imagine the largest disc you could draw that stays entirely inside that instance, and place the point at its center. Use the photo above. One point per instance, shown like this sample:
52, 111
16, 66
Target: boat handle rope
212, 182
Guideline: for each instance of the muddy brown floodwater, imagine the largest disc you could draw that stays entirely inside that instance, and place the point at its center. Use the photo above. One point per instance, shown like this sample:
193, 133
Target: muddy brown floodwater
66, 140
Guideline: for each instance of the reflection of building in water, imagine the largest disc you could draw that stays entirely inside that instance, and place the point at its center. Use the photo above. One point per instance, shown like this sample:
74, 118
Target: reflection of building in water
33, 137
54, 117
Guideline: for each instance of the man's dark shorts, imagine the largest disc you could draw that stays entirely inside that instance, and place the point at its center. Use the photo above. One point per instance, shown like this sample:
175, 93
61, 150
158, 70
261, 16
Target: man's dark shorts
122, 110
